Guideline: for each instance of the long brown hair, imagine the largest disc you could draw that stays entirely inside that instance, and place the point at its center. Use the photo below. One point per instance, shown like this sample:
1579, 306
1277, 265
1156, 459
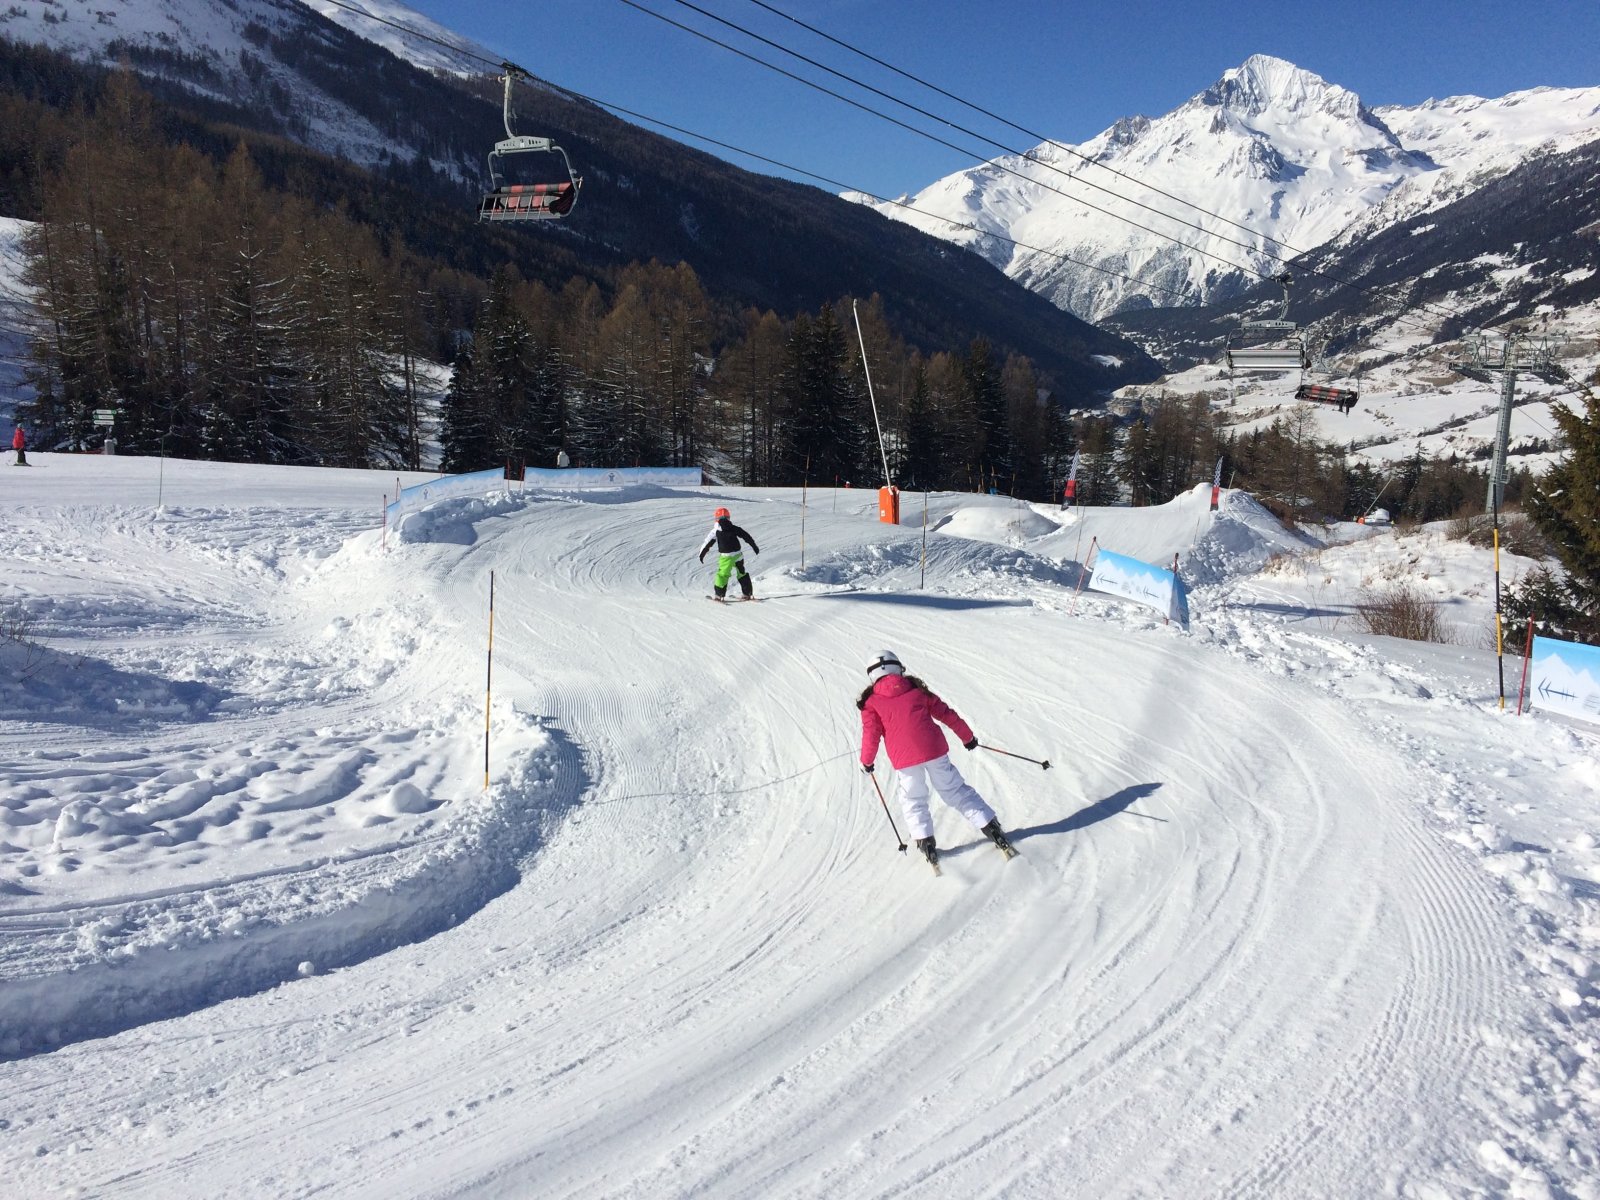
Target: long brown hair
861, 701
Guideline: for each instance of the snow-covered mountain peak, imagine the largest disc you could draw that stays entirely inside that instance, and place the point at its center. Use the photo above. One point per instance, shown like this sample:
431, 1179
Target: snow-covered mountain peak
408, 34
1265, 84
1269, 161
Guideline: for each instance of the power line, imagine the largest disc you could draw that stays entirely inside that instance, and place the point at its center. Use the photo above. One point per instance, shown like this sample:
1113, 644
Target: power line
935, 138
505, 64
1027, 155
710, 141
834, 183
1038, 137
1399, 318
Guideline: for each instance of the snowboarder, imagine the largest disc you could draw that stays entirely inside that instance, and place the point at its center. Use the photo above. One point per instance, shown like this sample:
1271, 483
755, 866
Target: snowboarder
899, 710
19, 442
726, 536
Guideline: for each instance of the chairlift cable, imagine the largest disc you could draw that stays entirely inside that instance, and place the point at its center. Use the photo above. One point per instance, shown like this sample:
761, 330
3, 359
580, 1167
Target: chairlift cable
502, 64
1027, 155
1331, 278
842, 186
963, 150
1399, 318
1038, 137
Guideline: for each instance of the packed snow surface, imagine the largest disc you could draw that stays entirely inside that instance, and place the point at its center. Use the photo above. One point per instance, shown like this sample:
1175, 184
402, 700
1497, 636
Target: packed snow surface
320, 876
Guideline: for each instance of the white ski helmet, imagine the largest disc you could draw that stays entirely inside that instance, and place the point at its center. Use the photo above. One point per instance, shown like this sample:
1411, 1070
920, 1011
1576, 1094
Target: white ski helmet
885, 662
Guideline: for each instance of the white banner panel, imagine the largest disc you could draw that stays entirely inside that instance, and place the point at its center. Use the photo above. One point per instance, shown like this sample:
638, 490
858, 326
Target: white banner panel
448, 487
1566, 678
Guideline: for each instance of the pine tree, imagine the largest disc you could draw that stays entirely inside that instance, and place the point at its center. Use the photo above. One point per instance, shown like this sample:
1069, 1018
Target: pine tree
464, 441
1097, 478
1565, 505
986, 397
921, 462
823, 411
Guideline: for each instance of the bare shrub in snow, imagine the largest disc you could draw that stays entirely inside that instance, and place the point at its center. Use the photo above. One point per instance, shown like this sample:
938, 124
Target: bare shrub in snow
23, 652
1401, 610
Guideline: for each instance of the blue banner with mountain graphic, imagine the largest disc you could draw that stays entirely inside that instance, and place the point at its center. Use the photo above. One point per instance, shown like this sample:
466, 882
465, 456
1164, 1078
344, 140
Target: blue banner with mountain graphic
1154, 587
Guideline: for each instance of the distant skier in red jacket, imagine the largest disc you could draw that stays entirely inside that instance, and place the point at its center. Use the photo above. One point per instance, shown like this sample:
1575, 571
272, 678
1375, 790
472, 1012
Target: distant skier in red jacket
19, 442
899, 710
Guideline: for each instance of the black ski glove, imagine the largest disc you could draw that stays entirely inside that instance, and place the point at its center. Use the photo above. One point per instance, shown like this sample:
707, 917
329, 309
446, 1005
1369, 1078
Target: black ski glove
702, 556
972, 745
867, 767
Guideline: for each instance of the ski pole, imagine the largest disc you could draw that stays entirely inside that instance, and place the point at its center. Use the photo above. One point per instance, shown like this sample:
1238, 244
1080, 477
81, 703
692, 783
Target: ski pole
885, 804
1038, 762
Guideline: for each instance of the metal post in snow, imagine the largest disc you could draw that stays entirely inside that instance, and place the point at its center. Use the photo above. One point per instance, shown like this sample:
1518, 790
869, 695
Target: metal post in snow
1499, 638
862, 342
487, 685
805, 479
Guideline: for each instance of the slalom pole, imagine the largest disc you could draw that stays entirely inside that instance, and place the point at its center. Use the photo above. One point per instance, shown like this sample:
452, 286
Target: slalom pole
487, 692
924, 582
1094, 543
1038, 762
1522, 688
885, 804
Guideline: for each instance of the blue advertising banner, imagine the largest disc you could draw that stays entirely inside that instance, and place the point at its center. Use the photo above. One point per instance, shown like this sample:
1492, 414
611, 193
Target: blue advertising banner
577, 477
484, 483
448, 487
1566, 678
1154, 587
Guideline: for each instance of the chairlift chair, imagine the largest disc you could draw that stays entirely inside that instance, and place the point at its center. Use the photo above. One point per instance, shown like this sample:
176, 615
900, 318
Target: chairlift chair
526, 201
1269, 345
1344, 398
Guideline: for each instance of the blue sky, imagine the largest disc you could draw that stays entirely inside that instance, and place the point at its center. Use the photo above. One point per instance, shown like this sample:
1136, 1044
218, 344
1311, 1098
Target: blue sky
1066, 70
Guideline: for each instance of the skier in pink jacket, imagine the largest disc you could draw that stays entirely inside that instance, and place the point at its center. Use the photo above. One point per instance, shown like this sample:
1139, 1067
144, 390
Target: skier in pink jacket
899, 710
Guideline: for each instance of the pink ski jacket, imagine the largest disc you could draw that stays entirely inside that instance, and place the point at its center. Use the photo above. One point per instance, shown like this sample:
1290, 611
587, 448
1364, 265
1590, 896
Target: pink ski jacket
902, 716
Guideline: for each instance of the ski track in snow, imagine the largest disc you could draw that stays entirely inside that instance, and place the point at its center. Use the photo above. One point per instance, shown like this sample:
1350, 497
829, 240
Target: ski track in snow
1248, 948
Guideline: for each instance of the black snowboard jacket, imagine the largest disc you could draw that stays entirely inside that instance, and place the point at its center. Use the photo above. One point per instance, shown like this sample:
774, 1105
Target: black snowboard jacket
726, 535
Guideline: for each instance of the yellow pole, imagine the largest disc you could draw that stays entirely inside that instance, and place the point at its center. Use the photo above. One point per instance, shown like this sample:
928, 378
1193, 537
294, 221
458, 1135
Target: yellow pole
487, 691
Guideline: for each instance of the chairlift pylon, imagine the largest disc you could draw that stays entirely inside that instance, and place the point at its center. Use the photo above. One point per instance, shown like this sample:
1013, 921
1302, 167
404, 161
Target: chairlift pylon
526, 201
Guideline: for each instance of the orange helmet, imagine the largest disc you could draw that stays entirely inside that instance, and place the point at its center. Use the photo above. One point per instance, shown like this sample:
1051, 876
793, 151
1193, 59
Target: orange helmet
722, 512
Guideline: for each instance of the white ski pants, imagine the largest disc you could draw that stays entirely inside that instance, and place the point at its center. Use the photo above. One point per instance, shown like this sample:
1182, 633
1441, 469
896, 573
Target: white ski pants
953, 790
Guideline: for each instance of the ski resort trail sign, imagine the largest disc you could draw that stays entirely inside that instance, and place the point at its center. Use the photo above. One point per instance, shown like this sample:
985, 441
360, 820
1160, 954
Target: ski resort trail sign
1566, 678
1154, 587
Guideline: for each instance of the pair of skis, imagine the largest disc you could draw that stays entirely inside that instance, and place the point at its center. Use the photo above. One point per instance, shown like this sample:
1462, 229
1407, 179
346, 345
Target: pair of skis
931, 855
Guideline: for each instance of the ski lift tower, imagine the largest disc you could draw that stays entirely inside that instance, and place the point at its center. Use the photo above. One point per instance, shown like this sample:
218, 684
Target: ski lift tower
1506, 355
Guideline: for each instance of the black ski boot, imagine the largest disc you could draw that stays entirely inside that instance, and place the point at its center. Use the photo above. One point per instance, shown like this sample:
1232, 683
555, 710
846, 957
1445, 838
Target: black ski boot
995, 834
930, 851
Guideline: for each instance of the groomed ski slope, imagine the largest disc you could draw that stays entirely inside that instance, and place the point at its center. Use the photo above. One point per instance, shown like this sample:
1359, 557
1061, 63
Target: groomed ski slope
287, 944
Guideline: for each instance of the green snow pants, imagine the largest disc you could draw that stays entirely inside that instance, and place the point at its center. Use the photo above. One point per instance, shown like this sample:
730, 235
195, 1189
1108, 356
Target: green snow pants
727, 564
